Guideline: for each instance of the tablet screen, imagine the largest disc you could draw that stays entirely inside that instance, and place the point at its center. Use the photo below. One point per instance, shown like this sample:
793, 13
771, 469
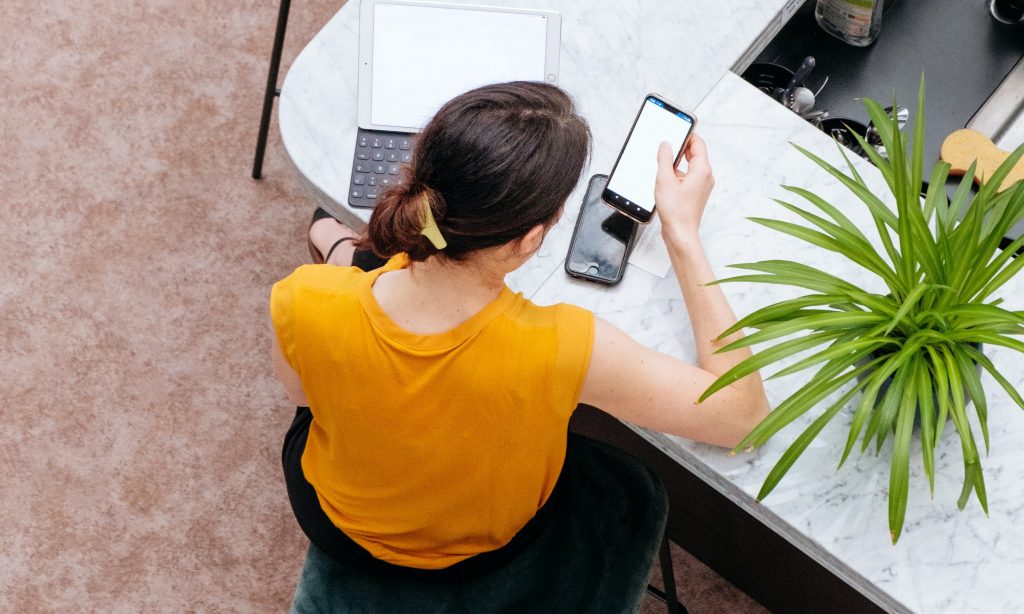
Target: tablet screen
424, 56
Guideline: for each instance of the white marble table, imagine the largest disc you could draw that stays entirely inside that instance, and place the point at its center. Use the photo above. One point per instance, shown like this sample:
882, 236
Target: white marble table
612, 54
946, 561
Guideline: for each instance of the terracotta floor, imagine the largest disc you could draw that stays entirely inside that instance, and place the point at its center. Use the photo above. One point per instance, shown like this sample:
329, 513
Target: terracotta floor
141, 423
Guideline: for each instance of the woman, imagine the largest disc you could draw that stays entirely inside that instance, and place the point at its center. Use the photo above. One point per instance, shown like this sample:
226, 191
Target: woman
438, 399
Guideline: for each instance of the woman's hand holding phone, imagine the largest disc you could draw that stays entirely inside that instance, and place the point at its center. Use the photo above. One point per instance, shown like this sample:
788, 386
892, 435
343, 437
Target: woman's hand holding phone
681, 196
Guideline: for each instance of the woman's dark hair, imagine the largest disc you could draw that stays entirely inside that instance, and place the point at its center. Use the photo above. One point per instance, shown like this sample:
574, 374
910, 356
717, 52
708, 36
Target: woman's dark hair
493, 163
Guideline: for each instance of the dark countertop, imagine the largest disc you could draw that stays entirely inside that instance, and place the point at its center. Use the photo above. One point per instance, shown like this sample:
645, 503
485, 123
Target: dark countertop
963, 53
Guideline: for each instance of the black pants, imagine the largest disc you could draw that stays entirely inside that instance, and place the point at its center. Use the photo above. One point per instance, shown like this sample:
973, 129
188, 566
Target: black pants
340, 547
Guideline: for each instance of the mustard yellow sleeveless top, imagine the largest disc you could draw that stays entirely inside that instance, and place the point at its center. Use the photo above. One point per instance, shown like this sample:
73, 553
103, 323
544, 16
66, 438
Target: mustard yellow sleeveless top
428, 449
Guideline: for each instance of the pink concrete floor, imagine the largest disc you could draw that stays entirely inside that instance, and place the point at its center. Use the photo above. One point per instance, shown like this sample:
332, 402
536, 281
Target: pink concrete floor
141, 424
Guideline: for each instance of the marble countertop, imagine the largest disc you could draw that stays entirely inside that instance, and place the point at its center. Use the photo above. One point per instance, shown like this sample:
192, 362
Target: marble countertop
612, 54
946, 560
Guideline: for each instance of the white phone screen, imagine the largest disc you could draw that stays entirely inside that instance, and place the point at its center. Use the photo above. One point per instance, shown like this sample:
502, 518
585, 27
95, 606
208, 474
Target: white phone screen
634, 173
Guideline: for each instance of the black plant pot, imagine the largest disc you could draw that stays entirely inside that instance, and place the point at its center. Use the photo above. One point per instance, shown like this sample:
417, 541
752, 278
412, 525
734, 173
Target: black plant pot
935, 400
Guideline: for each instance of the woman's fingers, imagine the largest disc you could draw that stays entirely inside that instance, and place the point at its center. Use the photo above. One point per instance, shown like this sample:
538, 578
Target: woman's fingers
697, 153
666, 166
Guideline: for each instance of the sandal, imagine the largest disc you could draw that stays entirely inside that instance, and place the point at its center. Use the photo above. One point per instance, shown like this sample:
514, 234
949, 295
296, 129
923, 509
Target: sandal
314, 253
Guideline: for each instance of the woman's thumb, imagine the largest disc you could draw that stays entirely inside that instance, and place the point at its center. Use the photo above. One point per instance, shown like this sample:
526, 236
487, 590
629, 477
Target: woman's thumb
666, 170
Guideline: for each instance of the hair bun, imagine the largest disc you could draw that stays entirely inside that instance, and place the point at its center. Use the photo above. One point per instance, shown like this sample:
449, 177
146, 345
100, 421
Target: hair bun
396, 224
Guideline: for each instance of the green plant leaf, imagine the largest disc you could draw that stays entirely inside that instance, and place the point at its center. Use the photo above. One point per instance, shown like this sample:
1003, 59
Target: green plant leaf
862, 255
960, 196
899, 469
926, 409
800, 444
856, 349
827, 380
972, 463
851, 245
917, 157
994, 182
935, 200
790, 274
972, 381
781, 311
981, 336
763, 359
837, 215
969, 314
877, 207
862, 412
982, 278
882, 420
824, 320
986, 364
941, 389
880, 162
908, 303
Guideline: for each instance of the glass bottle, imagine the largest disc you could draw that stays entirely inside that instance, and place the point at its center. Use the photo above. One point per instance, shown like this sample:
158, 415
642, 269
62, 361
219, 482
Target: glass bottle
856, 22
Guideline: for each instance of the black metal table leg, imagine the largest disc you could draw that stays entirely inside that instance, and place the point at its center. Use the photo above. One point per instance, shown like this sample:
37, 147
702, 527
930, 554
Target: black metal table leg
272, 91
669, 579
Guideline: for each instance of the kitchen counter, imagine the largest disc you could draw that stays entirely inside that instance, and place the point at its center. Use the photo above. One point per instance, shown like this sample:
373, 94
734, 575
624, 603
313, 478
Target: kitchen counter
946, 560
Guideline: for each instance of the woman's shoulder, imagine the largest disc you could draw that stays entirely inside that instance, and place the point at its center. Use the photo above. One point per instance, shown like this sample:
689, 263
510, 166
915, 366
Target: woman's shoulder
316, 283
559, 314
321, 276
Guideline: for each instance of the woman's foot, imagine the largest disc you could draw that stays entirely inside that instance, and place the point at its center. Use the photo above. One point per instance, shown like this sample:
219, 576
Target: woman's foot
324, 233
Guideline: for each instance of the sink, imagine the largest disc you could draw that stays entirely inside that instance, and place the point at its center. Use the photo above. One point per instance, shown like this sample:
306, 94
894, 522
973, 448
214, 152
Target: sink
1001, 118
972, 64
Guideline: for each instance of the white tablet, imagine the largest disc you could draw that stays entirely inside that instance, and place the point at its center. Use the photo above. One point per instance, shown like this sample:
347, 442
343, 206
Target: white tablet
414, 56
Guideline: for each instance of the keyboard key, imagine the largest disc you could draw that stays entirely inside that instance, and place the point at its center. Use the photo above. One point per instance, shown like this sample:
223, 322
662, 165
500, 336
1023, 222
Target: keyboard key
363, 141
378, 155
390, 143
371, 193
359, 179
393, 169
392, 157
406, 157
376, 143
363, 168
385, 182
357, 193
379, 169
371, 180
362, 155
405, 144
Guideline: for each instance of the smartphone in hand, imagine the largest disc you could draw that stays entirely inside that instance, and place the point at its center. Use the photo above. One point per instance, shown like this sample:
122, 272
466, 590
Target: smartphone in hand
602, 239
630, 188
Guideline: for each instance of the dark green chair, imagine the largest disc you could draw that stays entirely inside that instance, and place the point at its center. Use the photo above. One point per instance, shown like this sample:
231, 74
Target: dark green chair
594, 555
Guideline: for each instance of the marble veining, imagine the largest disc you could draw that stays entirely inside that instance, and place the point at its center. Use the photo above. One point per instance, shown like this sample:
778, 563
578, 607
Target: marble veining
946, 560
612, 54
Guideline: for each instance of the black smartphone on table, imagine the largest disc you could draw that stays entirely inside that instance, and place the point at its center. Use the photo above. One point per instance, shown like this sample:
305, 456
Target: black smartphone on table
630, 188
602, 239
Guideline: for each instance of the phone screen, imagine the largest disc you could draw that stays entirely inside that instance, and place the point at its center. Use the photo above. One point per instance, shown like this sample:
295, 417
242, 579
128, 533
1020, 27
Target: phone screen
631, 187
602, 238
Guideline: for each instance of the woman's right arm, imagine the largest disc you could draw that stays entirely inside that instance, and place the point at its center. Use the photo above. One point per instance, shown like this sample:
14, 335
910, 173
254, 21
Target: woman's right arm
639, 385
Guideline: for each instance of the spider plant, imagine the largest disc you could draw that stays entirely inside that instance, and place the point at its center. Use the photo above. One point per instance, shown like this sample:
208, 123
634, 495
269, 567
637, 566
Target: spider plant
912, 351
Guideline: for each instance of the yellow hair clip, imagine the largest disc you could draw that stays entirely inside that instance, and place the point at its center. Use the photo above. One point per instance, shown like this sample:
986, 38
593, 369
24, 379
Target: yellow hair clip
430, 229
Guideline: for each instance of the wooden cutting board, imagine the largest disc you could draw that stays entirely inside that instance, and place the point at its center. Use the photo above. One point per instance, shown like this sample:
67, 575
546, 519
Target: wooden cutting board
963, 147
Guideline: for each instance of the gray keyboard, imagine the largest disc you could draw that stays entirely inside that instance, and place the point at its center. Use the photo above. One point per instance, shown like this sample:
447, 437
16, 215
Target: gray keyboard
377, 165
